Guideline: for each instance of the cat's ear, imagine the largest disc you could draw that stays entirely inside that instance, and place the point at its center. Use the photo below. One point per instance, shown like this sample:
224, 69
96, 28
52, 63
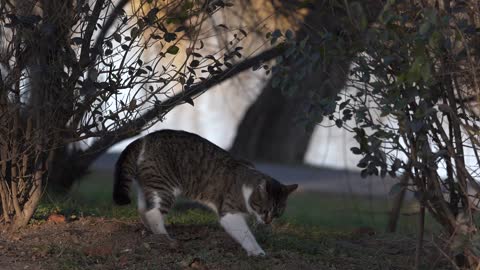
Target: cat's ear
291, 188
262, 186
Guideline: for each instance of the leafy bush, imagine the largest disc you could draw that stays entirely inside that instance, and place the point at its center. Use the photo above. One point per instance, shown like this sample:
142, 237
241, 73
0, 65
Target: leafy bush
412, 106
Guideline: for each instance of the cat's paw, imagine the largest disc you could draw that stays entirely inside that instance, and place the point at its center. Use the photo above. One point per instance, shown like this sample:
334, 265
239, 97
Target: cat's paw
257, 252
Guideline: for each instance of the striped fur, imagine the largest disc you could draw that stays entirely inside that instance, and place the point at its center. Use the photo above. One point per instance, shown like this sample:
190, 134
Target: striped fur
166, 164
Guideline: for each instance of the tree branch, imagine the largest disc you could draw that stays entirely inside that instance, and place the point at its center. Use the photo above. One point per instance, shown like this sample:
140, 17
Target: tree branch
85, 158
84, 54
111, 19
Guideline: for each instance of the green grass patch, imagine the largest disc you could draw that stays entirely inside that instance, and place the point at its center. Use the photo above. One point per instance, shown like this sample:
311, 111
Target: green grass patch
346, 212
335, 212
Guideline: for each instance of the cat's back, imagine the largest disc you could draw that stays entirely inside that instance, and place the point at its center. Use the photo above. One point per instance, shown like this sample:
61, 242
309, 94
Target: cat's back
187, 157
171, 136
183, 143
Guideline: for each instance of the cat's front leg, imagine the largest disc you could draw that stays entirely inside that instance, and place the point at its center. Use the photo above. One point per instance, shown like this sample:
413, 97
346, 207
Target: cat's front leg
154, 220
237, 227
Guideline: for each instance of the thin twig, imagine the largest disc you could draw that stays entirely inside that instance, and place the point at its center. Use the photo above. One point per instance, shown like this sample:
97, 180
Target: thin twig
421, 229
397, 204
446, 256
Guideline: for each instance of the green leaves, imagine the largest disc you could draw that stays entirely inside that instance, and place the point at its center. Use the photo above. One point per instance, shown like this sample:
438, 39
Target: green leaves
168, 37
408, 82
194, 63
297, 61
289, 34
117, 37
424, 28
173, 50
358, 16
356, 150
152, 16
339, 123
134, 32
420, 69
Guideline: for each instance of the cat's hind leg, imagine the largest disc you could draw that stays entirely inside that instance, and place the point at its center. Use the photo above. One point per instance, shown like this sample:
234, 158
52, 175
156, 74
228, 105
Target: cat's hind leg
154, 219
154, 214
141, 204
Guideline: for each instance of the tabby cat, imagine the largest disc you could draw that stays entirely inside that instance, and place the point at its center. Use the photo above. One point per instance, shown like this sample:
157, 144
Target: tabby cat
166, 164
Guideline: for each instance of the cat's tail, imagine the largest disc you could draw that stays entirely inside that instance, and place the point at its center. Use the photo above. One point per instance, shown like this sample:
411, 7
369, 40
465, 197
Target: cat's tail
125, 170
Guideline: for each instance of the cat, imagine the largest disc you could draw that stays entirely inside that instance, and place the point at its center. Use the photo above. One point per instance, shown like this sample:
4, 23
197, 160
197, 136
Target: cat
168, 163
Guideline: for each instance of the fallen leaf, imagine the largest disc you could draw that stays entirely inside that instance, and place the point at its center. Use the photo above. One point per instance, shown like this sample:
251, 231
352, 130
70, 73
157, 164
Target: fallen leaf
198, 264
56, 218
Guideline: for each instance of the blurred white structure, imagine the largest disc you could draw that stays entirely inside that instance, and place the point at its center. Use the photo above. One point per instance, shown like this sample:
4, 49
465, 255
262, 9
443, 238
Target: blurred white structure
217, 113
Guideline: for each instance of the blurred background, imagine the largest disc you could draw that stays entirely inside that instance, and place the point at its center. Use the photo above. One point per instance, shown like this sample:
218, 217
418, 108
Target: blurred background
254, 120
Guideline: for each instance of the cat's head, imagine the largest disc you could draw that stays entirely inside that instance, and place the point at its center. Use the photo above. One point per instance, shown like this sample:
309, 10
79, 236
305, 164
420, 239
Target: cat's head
269, 199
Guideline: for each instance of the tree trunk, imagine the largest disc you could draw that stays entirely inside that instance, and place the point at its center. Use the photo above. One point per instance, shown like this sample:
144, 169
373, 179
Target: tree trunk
270, 130
23, 167
394, 214
31, 204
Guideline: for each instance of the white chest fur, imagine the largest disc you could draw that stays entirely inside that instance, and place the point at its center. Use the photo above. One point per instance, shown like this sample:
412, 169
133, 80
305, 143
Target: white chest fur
247, 193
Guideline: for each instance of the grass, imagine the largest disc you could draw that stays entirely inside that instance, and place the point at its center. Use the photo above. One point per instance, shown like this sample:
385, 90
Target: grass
346, 212
331, 212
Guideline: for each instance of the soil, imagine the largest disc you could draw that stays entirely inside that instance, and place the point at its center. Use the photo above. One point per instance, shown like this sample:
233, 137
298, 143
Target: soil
100, 243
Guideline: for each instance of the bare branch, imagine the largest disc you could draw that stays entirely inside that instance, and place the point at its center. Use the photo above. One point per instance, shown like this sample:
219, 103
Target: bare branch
136, 126
87, 37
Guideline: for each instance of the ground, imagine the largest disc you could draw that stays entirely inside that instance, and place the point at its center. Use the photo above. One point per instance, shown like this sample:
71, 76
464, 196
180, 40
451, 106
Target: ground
108, 243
